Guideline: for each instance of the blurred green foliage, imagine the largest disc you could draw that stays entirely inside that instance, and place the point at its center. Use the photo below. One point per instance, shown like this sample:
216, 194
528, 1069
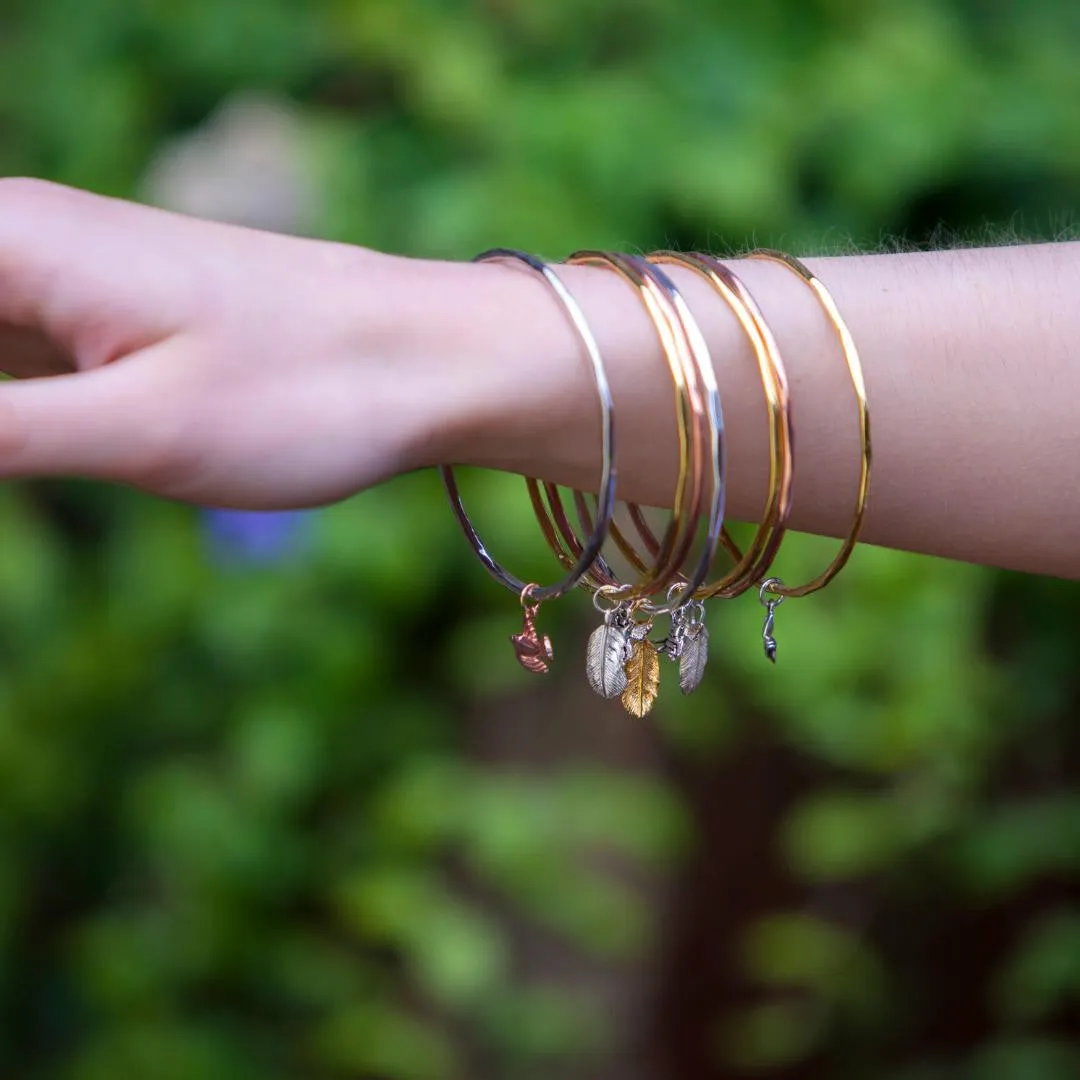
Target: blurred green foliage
240, 832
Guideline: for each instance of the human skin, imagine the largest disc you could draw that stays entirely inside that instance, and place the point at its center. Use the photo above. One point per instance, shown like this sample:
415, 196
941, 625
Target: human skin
230, 367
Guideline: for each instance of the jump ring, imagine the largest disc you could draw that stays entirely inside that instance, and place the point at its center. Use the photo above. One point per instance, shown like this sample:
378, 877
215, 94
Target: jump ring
609, 592
524, 597
769, 585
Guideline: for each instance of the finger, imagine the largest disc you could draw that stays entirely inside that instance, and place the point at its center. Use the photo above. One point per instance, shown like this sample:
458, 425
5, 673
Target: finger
26, 353
114, 423
96, 276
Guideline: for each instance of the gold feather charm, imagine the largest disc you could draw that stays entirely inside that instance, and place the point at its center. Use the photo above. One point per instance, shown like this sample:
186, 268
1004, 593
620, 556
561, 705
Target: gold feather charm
642, 678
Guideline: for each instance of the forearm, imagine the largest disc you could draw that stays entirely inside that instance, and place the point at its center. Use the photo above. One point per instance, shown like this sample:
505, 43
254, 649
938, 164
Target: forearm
970, 370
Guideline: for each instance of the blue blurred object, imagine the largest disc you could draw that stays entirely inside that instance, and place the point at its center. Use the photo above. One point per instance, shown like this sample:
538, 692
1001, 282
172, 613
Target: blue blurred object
256, 536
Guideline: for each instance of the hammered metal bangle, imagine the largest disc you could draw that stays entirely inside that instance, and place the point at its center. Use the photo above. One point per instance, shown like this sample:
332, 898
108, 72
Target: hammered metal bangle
695, 418
715, 472
698, 365
698, 362
754, 564
773, 591
854, 367
621, 660
533, 650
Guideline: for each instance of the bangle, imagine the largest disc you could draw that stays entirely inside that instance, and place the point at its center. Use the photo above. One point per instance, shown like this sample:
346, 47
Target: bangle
698, 363
754, 564
694, 420
620, 659
773, 591
698, 352
854, 367
534, 651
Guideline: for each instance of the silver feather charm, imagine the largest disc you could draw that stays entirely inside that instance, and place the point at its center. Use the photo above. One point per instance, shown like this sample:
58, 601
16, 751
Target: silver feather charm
693, 656
605, 659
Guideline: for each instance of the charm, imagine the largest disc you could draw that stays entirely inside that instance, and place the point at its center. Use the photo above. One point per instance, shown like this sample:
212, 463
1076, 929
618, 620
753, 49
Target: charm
607, 653
672, 645
694, 656
770, 603
533, 650
688, 644
642, 677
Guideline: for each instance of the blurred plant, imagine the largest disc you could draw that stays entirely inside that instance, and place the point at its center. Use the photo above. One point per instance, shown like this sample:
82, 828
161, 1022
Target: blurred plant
240, 835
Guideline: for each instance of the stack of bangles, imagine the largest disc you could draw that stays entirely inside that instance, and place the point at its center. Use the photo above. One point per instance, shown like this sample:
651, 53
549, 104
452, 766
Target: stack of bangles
622, 660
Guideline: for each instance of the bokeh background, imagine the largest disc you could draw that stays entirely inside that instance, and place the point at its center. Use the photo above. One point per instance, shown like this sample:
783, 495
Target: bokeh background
276, 802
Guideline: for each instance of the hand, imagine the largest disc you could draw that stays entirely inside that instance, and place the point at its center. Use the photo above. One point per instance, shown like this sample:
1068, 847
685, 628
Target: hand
211, 363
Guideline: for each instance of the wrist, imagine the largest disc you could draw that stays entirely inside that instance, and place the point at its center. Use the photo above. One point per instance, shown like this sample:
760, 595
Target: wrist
407, 329
514, 387
517, 392
493, 374
496, 372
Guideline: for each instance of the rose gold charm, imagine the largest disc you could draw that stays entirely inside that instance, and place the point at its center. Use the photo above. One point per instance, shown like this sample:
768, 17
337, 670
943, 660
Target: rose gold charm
533, 650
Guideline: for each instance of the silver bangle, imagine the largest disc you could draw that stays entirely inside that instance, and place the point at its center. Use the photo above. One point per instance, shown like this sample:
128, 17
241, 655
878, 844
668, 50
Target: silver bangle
532, 595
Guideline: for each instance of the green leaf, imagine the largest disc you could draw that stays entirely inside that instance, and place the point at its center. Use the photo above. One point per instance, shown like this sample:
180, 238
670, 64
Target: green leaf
836, 835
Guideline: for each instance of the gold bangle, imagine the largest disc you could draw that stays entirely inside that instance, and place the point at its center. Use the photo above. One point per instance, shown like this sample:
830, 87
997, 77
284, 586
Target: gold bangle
697, 353
699, 365
854, 367
754, 564
693, 426
620, 660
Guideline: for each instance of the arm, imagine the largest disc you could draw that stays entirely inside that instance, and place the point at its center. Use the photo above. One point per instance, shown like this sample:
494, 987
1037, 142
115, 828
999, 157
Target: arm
972, 363
232, 367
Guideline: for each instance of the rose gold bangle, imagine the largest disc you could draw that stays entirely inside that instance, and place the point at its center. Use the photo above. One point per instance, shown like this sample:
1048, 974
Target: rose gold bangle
621, 660
694, 424
754, 564
698, 363
751, 567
